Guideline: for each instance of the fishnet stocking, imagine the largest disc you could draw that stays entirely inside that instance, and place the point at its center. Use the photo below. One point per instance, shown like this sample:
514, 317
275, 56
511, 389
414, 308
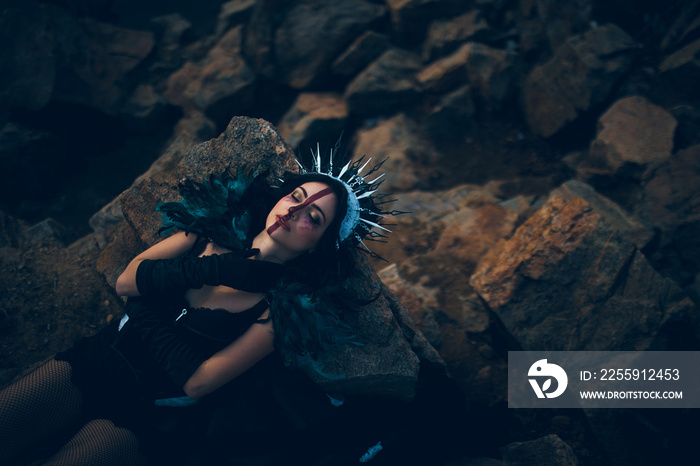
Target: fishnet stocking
99, 443
45, 405
37, 407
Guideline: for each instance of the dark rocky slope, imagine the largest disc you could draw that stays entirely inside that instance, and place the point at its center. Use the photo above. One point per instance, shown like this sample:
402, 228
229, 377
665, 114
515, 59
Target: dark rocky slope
550, 155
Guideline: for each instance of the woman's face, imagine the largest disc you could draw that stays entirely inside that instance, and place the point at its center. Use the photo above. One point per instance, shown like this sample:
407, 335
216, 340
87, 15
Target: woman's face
299, 219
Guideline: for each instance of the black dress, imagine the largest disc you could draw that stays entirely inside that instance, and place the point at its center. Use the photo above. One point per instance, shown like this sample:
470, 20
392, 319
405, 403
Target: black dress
133, 376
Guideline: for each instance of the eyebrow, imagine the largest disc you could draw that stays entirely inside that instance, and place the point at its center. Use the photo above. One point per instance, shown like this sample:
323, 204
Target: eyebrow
306, 195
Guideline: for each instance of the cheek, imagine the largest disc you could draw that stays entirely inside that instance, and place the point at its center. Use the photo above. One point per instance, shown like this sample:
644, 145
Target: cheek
309, 230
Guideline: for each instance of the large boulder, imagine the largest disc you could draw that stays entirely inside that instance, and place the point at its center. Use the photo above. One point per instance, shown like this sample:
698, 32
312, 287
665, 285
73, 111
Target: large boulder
568, 280
581, 74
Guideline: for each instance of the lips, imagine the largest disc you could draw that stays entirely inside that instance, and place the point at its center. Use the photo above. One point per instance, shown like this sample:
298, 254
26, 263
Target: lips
282, 222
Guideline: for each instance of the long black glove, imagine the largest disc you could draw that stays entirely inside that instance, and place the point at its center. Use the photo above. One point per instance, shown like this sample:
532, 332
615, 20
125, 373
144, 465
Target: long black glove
167, 275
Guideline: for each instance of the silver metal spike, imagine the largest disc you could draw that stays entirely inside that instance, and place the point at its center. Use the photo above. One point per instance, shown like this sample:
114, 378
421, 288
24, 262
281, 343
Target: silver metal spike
376, 225
376, 179
363, 167
318, 158
345, 168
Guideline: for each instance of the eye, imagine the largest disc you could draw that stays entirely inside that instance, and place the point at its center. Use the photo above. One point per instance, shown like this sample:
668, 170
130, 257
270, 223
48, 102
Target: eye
315, 217
296, 195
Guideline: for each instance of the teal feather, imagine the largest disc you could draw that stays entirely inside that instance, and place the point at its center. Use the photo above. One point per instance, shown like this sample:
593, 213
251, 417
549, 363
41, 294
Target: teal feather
308, 326
212, 207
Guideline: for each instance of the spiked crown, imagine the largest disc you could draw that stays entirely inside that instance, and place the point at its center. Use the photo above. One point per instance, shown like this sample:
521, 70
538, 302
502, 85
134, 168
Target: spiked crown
364, 218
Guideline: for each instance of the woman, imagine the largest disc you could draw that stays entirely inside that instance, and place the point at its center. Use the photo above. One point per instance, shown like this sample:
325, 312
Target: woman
200, 313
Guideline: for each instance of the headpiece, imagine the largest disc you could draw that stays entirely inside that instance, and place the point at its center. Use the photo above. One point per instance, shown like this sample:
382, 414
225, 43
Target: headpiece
364, 215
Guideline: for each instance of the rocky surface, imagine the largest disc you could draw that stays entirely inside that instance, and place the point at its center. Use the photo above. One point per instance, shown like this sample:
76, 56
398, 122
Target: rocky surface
549, 155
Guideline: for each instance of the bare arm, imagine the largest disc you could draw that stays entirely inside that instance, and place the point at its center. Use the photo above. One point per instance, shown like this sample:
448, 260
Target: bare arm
170, 247
232, 361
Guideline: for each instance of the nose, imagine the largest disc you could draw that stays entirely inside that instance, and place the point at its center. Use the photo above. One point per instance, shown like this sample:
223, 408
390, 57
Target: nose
293, 210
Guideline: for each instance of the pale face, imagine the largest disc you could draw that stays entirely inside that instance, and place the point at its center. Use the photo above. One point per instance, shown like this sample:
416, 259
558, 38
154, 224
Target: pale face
298, 220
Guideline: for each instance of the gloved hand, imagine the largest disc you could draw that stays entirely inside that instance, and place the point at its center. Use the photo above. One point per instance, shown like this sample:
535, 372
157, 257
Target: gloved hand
229, 269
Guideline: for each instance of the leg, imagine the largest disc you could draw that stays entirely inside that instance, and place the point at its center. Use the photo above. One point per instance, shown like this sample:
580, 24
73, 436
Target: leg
99, 443
36, 407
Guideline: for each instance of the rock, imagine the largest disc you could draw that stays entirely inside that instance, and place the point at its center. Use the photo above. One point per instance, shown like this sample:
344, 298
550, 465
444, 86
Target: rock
220, 85
477, 462
561, 21
363, 51
294, 43
685, 26
445, 36
456, 323
411, 161
410, 18
10, 231
633, 137
144, 109
452, 119
532, 41
568, 268
104, 221
437, 213
688, 118
171, 32
446, 73
49, 55
245, 143
419, 300
95, 59
385, 86
545, 451
314, 118
435, 248
388, 363
109, 223
193, 129
27, 55
490, 71
25, 170
639, 233
233, 13
669, 202
580, 75
680, 71
47, 230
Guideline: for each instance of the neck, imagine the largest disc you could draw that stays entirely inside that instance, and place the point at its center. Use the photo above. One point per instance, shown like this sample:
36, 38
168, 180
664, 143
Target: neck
270, 250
